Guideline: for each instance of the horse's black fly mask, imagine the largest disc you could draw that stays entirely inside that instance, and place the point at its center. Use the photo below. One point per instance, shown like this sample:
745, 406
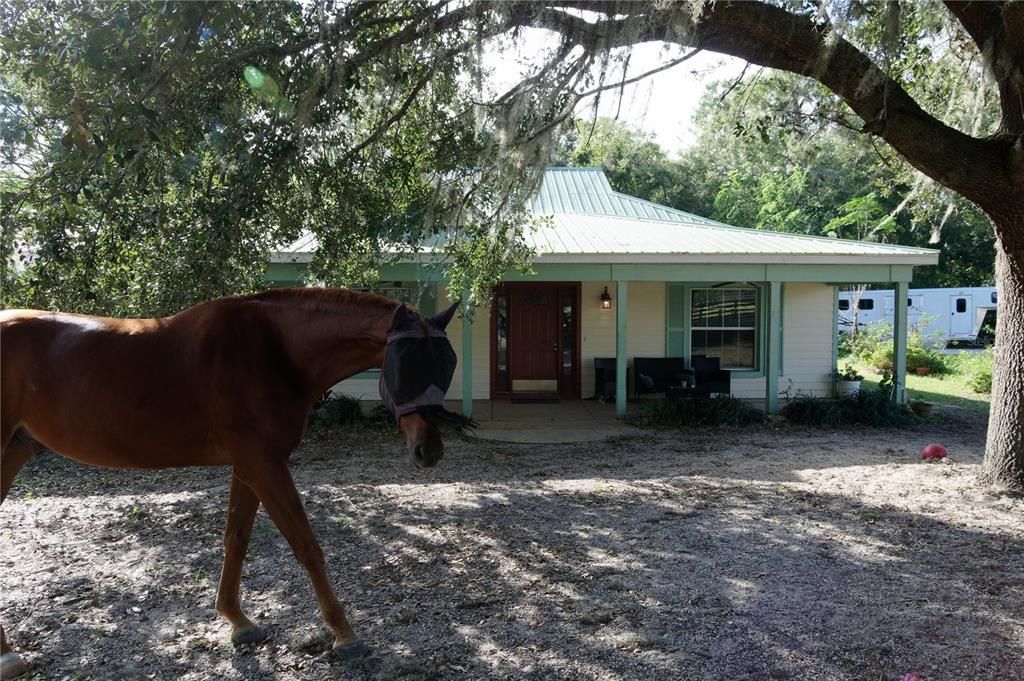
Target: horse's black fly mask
419, 363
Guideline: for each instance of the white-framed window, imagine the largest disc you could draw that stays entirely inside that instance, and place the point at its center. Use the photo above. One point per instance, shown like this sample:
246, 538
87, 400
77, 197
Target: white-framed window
723, 324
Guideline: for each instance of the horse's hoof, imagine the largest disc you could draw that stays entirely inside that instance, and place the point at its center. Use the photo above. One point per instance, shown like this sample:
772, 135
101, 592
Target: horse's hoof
251, 634
351, 651
12, 665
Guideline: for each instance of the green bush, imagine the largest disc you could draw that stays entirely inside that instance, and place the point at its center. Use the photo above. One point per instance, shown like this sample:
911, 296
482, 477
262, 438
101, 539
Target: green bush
865, 407
881, 358
714, 411
335, 411
976, 368
869, 338
921, 352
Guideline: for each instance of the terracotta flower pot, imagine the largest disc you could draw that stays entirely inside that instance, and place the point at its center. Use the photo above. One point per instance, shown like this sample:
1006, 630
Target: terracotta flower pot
921, 408
922, 371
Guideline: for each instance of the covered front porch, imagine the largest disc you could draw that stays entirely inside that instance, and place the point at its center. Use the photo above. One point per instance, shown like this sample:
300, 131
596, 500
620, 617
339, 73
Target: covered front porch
783, 293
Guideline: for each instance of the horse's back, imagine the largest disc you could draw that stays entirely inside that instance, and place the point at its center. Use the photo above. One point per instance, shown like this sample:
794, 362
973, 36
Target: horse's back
140, 392
100, 390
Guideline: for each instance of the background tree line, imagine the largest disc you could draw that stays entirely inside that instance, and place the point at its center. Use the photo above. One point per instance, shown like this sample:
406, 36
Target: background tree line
761, 160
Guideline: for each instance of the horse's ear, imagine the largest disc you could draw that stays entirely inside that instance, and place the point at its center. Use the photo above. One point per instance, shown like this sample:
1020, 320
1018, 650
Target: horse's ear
441, 319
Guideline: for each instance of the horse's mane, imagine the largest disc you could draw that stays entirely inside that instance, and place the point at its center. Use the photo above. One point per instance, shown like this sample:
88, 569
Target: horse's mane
315, 298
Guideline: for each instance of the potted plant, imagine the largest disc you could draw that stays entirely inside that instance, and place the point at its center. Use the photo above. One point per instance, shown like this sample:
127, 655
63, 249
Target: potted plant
848, 381
921, 408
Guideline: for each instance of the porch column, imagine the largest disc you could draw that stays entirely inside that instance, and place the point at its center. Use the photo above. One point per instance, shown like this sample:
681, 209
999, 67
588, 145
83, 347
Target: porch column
621, 315
899, 343
467, 360
773, 357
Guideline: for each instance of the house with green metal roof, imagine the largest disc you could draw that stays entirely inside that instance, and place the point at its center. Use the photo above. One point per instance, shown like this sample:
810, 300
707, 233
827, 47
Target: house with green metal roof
618, 278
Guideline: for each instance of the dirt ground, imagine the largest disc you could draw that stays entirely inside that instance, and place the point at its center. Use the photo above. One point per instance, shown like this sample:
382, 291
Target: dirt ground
761, 553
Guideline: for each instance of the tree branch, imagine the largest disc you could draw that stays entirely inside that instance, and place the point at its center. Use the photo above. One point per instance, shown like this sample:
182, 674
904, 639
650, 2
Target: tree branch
979, 169
996, 28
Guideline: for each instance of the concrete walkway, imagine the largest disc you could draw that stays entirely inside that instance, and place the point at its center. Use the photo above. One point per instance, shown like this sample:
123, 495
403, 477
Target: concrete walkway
566, 421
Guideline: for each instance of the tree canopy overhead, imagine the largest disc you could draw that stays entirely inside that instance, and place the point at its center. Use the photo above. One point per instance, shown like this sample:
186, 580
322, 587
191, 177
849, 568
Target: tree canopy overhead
139, 133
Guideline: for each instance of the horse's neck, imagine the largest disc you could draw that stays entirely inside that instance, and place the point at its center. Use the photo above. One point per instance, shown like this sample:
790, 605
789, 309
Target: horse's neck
333, 342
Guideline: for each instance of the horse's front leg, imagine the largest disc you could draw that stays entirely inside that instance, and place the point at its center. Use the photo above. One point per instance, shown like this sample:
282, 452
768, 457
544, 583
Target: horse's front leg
242, 506
274, 486
17, 450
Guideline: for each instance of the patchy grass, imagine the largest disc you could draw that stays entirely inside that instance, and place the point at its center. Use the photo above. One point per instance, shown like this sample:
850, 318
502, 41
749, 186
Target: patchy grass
950, 389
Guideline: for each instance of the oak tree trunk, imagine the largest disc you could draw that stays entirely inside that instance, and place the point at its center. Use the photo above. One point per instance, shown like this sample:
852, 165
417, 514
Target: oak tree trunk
1004, 449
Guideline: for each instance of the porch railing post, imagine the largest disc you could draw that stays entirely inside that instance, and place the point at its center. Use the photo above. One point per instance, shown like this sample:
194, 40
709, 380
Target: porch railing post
467, 360
774, 355
621, 316
899, 341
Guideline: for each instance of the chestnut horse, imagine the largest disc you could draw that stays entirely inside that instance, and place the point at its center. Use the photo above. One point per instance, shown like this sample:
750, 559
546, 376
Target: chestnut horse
225, 383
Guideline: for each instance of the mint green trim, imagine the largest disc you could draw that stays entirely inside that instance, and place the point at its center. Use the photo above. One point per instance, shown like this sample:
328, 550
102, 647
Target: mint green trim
428, 299
771, 391
675, 331
899, 340
782, 330
564, 272
369, 374
285, 273
467, 363
621, 348
293, 273
686, 272
835, 333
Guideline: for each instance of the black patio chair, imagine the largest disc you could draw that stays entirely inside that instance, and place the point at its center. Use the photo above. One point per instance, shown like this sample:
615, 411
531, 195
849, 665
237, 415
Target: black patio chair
659, 374
604, 379
709, 376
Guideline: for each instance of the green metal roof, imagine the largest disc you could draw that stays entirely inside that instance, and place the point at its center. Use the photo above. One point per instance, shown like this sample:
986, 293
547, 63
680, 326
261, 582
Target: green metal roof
593, 223
587, 190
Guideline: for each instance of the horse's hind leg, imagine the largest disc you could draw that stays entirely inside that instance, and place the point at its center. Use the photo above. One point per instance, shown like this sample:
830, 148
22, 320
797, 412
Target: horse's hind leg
274, 486
242, 506
19, 449
13, 456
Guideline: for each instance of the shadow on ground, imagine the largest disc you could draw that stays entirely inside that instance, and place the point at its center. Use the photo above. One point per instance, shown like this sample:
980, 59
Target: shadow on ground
628, 561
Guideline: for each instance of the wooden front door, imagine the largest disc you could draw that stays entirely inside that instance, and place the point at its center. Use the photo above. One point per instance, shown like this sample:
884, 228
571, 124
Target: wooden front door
536, 339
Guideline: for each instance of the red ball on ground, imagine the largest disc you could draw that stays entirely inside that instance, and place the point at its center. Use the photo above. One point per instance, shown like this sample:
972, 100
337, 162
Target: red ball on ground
934, 451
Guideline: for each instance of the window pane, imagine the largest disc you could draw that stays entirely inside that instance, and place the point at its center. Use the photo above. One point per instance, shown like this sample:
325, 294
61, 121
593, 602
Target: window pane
698, 342
748, 308
746, 346
698, 312
844, 304
961, 305
731, 308
716, 301
865, 304
568, 334
502, 343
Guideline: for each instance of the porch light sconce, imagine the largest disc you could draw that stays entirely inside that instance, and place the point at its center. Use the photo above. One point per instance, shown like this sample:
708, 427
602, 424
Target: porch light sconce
606, 300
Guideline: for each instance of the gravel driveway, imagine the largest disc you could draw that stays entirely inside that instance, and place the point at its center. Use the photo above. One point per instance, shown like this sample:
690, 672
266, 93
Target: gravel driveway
770, 552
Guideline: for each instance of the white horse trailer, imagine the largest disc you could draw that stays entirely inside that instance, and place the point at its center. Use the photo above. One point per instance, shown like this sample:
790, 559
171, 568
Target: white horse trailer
956, 314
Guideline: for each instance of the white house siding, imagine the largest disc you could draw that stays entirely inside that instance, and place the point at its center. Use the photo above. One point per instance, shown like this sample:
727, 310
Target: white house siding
807, 338
481, 350
645, 325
